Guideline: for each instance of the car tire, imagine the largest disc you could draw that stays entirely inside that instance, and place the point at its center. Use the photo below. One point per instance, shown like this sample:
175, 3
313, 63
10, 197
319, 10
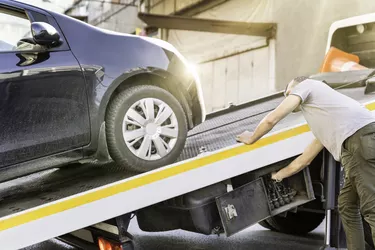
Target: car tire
128, 246
266, 225
291, 224
130, 112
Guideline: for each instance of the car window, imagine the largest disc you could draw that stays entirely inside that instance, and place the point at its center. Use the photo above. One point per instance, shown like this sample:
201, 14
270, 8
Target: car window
15, 32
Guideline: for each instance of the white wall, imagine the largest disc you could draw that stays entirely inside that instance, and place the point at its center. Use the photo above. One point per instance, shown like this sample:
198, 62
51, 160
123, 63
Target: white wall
237, 79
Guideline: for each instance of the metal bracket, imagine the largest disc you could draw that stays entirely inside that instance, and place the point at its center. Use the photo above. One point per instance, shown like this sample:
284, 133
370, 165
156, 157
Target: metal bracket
123, 222
319, 190
334, 235
209, 25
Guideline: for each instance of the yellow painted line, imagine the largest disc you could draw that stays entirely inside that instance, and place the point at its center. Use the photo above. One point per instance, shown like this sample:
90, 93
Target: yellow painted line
371, 106
61, 206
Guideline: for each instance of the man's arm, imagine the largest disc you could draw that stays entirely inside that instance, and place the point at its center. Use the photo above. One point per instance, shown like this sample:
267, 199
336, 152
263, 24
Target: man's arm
286, 107
300, 162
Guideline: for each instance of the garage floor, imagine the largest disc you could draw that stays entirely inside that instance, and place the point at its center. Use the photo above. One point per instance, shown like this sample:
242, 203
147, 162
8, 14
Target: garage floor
255, 238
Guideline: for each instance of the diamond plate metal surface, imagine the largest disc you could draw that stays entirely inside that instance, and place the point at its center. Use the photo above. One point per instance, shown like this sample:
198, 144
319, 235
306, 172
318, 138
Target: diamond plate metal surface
235, 116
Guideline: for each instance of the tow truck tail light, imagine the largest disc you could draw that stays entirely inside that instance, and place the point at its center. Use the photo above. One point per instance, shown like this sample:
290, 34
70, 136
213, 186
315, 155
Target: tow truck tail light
107, 245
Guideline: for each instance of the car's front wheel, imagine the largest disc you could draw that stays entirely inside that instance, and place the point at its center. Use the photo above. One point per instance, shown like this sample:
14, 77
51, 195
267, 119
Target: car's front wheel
146, 128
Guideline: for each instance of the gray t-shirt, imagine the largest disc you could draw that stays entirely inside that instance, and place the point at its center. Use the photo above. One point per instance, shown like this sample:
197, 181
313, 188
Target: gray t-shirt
331, 116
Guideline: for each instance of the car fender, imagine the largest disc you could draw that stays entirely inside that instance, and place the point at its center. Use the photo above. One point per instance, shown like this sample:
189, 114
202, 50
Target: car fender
184, 98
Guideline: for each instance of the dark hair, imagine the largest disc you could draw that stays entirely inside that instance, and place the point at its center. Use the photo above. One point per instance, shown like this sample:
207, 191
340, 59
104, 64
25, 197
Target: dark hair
296, 80
300, 79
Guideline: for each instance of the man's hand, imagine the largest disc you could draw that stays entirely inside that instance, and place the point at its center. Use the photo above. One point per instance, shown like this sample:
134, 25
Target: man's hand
300, 162
245, 137
276, 177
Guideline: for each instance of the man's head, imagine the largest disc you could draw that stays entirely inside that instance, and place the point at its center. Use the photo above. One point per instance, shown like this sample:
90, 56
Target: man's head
293, 83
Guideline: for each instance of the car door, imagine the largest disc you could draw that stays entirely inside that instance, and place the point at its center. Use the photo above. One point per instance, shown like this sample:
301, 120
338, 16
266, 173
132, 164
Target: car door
43, 102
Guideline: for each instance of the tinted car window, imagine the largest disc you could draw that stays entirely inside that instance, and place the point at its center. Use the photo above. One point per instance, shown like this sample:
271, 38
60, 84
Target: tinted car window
39, 17
15, 32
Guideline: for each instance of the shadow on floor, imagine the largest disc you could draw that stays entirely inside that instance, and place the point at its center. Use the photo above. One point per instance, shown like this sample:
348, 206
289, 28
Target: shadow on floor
252, 238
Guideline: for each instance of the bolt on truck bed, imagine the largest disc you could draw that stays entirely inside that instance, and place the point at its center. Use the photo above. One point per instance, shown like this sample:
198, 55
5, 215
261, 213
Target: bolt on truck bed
52, 203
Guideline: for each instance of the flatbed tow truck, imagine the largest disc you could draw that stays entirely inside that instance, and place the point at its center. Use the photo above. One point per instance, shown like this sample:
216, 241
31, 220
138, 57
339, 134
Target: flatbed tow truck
217, 186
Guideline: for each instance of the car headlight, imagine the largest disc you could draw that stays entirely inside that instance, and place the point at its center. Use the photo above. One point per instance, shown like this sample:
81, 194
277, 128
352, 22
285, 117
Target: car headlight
193, 70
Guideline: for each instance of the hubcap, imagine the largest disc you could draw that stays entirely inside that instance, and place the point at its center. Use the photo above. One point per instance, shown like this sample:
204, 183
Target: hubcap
150, 129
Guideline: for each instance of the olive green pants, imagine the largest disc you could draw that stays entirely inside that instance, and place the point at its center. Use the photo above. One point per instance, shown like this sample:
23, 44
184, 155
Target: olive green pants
358, 194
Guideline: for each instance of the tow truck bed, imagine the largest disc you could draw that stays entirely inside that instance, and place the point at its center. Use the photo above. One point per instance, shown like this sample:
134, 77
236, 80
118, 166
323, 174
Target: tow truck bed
58, 201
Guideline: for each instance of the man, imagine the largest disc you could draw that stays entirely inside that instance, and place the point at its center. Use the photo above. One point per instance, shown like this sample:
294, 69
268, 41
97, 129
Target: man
347, 130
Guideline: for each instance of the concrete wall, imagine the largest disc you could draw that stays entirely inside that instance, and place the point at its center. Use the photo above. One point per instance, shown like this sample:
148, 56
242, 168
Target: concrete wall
125, 21
168, 7
116, 17
237, 79
96, 10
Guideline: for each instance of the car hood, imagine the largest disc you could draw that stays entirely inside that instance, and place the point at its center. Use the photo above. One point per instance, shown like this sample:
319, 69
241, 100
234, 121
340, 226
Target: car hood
155, 41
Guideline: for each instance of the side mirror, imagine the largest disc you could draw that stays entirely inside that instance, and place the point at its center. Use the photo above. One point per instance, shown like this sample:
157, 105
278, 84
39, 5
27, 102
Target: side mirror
45, 34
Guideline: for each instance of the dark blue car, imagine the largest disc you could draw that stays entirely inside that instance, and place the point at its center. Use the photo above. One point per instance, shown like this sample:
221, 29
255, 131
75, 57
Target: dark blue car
71, 92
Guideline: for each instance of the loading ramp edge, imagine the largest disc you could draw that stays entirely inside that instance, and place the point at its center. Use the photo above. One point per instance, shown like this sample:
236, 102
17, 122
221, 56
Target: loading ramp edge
96, 205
